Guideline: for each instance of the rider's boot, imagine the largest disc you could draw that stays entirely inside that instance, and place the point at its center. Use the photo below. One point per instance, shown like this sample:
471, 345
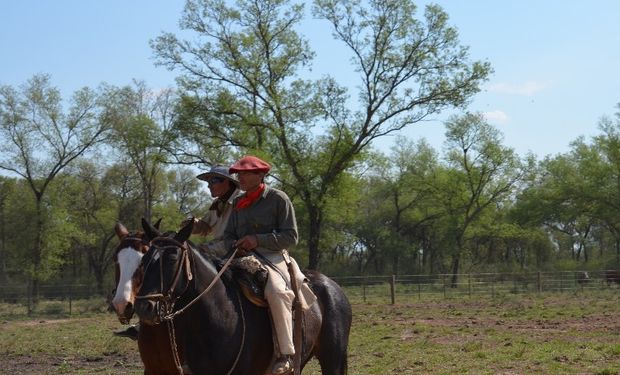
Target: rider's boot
130, 332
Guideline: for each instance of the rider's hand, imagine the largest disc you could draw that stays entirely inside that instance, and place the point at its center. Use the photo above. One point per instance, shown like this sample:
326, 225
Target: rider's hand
246, 244
187, 221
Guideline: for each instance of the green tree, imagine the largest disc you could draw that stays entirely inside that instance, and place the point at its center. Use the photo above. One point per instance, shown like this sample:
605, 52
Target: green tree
7, 189
19, 213
245, 69
398, 196
93, 210
603, 168
38, 140
482, 173
572, 197
187, 192
141, 120
549, 201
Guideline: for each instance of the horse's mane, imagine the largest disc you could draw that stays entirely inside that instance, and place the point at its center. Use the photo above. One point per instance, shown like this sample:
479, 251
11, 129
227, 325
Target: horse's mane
217, 262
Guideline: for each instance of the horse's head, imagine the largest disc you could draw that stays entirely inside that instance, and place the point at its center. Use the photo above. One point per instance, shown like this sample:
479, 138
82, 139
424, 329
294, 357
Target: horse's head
128, 276
167, 274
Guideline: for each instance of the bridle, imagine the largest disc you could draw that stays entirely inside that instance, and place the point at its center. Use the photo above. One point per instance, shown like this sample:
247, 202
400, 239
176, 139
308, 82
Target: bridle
167, 299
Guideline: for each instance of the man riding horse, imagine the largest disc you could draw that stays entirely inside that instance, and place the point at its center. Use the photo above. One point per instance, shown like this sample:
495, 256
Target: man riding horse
263, 224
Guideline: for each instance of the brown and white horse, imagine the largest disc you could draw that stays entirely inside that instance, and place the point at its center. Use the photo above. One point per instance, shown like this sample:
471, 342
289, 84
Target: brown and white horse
127, 258
154, 345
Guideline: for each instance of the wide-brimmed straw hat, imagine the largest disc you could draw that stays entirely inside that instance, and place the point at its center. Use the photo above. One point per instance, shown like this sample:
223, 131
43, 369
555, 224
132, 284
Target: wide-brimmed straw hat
218, 171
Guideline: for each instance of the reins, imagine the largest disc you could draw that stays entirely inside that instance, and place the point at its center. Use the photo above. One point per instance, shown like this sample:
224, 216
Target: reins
169, 319
184, 259
215, 279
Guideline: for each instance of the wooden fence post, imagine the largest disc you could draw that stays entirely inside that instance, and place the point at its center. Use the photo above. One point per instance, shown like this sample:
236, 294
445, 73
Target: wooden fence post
539, 283
392, 289
444, 285
364, 289
30, 298
70, 299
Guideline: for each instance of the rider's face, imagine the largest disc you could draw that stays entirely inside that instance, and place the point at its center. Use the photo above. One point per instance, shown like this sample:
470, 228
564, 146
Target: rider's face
218, 187
249, 180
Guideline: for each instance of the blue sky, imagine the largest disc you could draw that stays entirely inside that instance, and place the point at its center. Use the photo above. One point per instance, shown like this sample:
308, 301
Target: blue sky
555, 61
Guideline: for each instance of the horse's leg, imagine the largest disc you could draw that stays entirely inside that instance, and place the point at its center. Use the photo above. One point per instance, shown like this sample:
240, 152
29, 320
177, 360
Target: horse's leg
333, 340
332, 354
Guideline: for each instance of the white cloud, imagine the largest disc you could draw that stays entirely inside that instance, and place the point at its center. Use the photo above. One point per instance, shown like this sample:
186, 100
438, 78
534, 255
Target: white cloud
496, 116
527, 88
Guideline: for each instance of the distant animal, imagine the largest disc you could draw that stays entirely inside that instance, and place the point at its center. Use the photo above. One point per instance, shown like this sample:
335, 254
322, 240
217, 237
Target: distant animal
612, 276
153, 341
224, 332
582, 277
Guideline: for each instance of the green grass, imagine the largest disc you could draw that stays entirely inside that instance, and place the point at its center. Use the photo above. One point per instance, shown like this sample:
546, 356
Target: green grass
510, 334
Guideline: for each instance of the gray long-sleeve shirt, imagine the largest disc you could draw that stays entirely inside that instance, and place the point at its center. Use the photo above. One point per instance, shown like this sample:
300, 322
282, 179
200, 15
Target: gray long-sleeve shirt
271, 218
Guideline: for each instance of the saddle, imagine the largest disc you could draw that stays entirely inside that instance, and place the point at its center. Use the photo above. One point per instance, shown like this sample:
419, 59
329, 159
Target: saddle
251, 276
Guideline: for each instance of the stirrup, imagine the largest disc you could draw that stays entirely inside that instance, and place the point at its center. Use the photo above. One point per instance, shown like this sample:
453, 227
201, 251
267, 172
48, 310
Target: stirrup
283, 366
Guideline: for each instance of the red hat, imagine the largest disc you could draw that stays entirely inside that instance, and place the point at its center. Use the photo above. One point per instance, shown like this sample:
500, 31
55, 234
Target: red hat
249, 164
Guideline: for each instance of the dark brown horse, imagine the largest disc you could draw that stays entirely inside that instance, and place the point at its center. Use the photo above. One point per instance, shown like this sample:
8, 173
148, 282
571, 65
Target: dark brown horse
224, 333
153, 341
583, 277
612, 276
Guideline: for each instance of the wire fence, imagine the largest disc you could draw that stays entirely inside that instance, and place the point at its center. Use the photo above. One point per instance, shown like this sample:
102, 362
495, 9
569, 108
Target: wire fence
408, 288
78, 299
51, 300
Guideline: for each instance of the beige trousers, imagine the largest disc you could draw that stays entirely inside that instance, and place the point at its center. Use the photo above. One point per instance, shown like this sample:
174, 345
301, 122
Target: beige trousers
280, 297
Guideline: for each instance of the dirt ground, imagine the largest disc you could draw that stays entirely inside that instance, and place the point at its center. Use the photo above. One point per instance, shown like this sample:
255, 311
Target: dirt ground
45, 364
128, 361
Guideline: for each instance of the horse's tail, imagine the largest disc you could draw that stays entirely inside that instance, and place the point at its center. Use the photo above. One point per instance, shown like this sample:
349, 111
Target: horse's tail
335, 326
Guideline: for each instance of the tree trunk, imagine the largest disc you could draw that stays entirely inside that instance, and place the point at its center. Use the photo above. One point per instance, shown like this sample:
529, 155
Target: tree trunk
3, 276
147, 205
456, 259
36, 252
395, 263
100, 263
97, 268
578, 254
455, 268
314, 236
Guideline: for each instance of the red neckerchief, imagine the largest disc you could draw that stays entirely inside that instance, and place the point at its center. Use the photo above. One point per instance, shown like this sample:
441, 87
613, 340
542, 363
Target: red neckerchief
249, 198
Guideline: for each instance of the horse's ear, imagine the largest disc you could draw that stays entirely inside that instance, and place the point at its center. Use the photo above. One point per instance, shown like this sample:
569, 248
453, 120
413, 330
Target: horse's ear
157, 223
185, 232
150, 231
120, 230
